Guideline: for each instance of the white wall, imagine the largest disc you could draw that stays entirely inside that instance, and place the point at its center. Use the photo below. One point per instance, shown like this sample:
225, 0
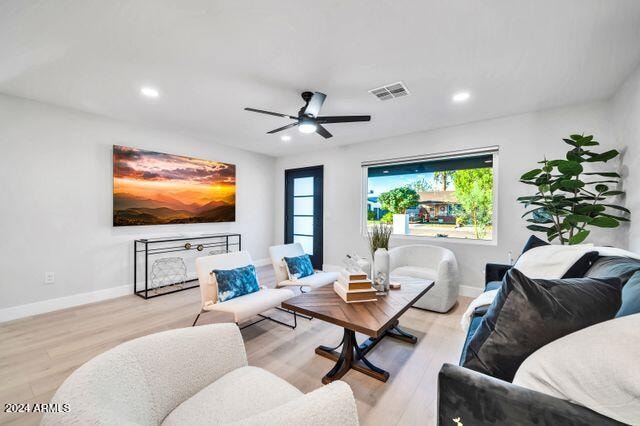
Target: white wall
523, 140
625, 114
56, 200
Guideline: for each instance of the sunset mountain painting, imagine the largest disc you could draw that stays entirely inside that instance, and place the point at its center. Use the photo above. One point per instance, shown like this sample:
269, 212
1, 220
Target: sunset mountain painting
152, 188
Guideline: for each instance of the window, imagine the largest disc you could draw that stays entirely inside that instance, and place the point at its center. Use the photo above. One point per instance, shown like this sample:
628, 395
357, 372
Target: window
442, 196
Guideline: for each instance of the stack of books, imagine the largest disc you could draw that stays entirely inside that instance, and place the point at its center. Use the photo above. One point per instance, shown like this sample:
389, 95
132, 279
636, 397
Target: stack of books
354, 287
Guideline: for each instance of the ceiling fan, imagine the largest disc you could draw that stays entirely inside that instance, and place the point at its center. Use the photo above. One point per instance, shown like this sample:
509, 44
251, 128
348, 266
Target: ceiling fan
308, 120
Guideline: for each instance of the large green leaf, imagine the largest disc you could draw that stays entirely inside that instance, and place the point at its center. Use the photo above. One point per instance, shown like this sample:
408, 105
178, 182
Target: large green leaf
571, 184
539, 220
576, 137
602, 188
538, 228
531, 174
577, 218
604, 222
618, 218
601, 181
613, 206
612, 193
574, 156
579, 237
571, 142
604, 157
572, 168
530, 198
605, 174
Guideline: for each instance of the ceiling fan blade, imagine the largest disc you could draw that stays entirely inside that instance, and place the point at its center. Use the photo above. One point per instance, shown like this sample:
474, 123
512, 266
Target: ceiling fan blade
313, 108
323, 132
279, 129
277, 114
343, 118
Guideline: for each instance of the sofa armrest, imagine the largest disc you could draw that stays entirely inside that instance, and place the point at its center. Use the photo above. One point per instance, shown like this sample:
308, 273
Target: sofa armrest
332, 404
495, 272
476, 399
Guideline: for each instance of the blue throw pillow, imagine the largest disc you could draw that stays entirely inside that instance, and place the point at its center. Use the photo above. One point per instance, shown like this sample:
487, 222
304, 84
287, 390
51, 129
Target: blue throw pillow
630, 297
299, 266
236, 282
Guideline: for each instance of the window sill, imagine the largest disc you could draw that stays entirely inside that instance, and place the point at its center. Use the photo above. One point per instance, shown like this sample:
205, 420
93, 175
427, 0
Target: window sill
419, 238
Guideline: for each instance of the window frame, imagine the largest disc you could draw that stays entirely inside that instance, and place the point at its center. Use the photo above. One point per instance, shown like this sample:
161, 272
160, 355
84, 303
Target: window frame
494, 151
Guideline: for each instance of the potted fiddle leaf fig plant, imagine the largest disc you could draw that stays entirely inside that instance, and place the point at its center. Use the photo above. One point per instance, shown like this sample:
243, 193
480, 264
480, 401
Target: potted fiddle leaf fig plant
569, 200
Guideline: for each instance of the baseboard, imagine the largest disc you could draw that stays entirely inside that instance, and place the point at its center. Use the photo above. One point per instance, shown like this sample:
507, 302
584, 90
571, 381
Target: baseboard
44, 306
468, 291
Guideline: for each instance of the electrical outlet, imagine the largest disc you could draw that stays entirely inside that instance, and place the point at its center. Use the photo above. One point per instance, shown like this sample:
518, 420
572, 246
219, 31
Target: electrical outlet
49, 278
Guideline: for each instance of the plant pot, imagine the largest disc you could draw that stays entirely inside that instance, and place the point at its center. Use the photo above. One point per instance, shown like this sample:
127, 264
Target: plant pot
401, 224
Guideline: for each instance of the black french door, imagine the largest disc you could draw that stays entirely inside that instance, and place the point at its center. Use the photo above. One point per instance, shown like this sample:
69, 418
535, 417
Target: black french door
303, 210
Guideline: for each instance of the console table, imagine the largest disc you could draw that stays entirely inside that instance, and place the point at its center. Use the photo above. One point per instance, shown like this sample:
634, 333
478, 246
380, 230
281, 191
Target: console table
148, 250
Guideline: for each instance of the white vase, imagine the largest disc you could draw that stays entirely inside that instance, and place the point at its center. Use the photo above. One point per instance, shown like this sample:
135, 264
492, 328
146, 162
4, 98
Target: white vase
380, 268
401, 224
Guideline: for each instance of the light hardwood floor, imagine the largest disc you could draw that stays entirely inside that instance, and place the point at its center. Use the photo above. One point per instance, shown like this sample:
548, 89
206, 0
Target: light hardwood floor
38, 353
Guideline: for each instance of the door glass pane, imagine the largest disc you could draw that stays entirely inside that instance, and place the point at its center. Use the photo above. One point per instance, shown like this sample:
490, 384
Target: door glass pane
303, 206
307, 243
303, 225
303, 186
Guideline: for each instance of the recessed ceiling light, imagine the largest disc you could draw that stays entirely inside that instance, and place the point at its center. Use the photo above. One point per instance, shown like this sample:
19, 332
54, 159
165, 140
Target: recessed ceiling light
461, 97
149, 92
285, 138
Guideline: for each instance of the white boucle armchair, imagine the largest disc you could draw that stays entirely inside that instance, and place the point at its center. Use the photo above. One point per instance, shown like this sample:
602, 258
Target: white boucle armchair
429, 262
318, 279
192, 376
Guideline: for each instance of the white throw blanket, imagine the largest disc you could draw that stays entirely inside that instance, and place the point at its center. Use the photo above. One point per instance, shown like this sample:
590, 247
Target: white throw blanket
550, 262
484, 299
545, 262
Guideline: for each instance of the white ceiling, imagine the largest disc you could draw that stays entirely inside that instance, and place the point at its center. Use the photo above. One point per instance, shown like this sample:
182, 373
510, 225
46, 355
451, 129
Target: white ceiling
210, 59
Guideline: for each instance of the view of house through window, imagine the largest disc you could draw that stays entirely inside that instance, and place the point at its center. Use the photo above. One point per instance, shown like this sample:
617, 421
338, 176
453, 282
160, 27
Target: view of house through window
447, 198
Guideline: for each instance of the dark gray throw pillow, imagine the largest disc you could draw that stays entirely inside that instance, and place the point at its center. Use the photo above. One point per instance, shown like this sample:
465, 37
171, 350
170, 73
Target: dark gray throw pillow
527, 314
582, 265
533, 242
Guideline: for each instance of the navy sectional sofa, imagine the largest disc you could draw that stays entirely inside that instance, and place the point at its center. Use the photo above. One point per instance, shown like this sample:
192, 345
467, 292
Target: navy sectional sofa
478, 399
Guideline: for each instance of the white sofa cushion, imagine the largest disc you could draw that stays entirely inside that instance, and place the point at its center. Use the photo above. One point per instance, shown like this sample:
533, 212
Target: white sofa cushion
316, 280
237, 395
596, 367
250, 305
416, 272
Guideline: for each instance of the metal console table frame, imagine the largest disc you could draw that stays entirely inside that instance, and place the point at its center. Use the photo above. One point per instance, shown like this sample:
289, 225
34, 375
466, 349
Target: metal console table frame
155, 246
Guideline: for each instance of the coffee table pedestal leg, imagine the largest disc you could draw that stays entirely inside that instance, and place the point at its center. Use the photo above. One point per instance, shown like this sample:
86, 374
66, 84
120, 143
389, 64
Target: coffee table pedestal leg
350, 357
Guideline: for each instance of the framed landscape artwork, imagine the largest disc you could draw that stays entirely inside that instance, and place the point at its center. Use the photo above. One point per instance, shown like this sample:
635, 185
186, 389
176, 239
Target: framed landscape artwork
153, 188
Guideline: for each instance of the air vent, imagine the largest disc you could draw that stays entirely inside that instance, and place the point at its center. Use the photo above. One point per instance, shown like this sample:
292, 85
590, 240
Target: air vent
390, 91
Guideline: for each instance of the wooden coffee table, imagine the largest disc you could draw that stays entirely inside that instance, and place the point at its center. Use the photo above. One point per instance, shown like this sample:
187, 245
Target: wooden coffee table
375, 319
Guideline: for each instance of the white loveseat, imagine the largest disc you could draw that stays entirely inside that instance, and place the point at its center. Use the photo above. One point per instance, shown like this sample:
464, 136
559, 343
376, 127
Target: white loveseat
192, 376
432, 263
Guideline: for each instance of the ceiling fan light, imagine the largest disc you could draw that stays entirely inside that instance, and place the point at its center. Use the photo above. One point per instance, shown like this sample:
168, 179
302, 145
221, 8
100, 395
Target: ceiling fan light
307, 126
